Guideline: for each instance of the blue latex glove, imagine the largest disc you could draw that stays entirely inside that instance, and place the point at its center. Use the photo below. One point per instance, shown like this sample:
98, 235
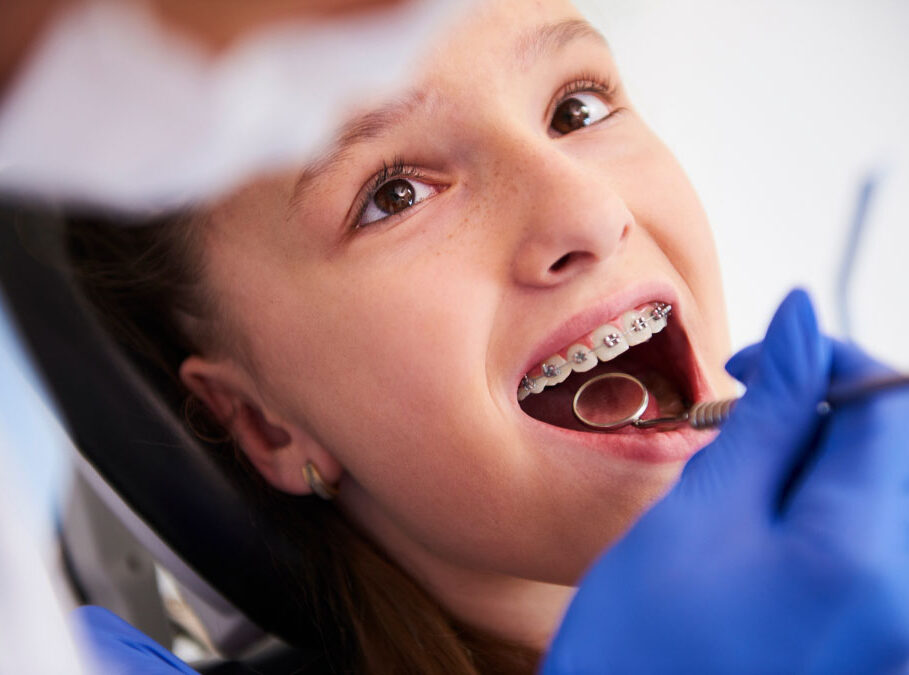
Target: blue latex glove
784, 548
120, 649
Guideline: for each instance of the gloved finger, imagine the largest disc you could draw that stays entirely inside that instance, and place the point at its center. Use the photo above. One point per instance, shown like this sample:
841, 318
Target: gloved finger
743, 364
773, 424
852, 364
794, 362
861, 468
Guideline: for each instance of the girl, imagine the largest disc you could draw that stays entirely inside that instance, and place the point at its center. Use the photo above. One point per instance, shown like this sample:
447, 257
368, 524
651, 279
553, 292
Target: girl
398, 329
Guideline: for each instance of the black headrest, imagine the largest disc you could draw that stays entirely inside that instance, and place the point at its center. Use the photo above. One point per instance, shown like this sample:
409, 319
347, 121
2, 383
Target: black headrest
137, 445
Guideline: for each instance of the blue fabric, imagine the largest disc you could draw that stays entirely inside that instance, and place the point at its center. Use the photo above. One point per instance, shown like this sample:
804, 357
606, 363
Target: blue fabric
121, 649
782, 549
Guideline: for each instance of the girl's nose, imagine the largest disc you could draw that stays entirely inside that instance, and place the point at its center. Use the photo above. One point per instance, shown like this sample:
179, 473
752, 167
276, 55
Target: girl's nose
568, 223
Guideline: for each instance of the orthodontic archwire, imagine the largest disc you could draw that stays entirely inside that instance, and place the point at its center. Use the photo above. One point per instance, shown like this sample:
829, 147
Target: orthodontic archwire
661, 310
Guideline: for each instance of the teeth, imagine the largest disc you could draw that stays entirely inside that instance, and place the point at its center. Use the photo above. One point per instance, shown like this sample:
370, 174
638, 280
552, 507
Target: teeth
581, 358
534, 384
530, 385
656, 316
556, 370
636, 327
608, 341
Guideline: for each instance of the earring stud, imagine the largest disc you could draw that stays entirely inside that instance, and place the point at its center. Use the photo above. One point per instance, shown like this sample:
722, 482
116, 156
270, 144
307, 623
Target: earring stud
317, 484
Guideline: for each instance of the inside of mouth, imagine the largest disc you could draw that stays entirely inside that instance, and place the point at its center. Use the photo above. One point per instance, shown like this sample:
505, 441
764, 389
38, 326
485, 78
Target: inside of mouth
656, 363
610, 401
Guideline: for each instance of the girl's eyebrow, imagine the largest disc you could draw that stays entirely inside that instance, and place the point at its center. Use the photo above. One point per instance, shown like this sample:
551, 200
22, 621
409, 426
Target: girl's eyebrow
552, 37
359, 130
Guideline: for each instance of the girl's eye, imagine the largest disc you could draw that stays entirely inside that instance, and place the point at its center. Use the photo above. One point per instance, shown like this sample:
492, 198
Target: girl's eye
578, 110
393, 197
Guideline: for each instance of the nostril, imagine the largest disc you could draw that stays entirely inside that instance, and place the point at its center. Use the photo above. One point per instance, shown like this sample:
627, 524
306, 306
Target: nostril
572, 259
560, 263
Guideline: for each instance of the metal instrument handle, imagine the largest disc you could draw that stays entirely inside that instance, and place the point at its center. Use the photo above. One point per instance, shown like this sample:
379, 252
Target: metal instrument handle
712, 414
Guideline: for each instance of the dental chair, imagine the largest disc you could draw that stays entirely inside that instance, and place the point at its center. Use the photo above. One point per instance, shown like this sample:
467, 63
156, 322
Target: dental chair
145, 492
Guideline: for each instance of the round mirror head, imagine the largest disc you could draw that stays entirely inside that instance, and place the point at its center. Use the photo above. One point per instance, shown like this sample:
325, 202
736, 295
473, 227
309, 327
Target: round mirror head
610, 401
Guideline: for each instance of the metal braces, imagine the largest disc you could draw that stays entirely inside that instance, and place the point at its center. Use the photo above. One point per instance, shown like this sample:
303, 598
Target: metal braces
660, 310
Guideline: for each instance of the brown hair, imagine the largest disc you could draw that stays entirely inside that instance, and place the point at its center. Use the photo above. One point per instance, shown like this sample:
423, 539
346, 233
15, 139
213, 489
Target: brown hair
145, 284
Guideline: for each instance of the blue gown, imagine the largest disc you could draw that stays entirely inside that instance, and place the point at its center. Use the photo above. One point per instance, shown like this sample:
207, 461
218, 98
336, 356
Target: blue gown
120, 649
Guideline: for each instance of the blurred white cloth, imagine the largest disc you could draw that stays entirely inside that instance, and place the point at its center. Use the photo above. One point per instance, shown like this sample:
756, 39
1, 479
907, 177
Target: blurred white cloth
111, 109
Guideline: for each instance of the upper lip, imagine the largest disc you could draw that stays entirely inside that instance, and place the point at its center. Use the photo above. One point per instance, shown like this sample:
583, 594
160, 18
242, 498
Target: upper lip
594, 316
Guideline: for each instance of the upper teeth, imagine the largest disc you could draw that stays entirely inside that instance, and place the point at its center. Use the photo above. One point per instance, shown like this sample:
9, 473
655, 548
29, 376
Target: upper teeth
603, 344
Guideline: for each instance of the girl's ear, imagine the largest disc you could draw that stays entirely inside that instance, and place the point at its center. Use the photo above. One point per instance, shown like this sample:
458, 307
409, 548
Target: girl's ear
277, 449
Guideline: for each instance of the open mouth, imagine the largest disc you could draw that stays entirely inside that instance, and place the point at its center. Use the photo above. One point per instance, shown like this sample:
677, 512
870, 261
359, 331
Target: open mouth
645, 343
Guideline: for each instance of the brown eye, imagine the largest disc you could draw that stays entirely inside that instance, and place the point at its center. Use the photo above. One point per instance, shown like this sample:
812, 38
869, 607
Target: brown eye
395, 196
570, 116
578, 111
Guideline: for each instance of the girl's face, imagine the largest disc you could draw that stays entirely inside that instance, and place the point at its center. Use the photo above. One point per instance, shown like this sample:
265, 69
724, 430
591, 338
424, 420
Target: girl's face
390, 299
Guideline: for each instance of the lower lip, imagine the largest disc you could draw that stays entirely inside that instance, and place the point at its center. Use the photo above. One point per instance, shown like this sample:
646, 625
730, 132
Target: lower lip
652, 447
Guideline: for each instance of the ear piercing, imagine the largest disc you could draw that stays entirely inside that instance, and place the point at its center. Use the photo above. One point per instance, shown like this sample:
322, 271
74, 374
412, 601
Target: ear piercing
317, 484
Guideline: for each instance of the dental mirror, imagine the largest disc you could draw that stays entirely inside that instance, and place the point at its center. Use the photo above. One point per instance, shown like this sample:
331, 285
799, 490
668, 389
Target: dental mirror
610, 401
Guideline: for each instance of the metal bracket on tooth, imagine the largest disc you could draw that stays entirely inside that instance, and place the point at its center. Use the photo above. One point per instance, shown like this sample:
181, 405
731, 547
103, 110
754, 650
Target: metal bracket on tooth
550, 370
660, 311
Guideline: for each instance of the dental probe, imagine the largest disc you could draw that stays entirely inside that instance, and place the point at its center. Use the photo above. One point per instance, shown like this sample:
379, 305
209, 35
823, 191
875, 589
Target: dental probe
711, 414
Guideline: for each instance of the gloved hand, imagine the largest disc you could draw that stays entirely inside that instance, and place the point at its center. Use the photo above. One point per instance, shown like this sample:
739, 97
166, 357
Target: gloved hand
119, 649
784, 548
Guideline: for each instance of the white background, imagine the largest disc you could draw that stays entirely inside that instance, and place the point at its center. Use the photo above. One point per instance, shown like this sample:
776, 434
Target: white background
778, 110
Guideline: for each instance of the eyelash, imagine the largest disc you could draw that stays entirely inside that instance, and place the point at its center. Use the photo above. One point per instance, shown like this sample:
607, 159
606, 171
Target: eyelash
397, 169
586, 82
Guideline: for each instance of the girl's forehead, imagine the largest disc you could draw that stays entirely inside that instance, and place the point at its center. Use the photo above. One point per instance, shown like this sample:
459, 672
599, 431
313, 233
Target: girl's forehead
510, 31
